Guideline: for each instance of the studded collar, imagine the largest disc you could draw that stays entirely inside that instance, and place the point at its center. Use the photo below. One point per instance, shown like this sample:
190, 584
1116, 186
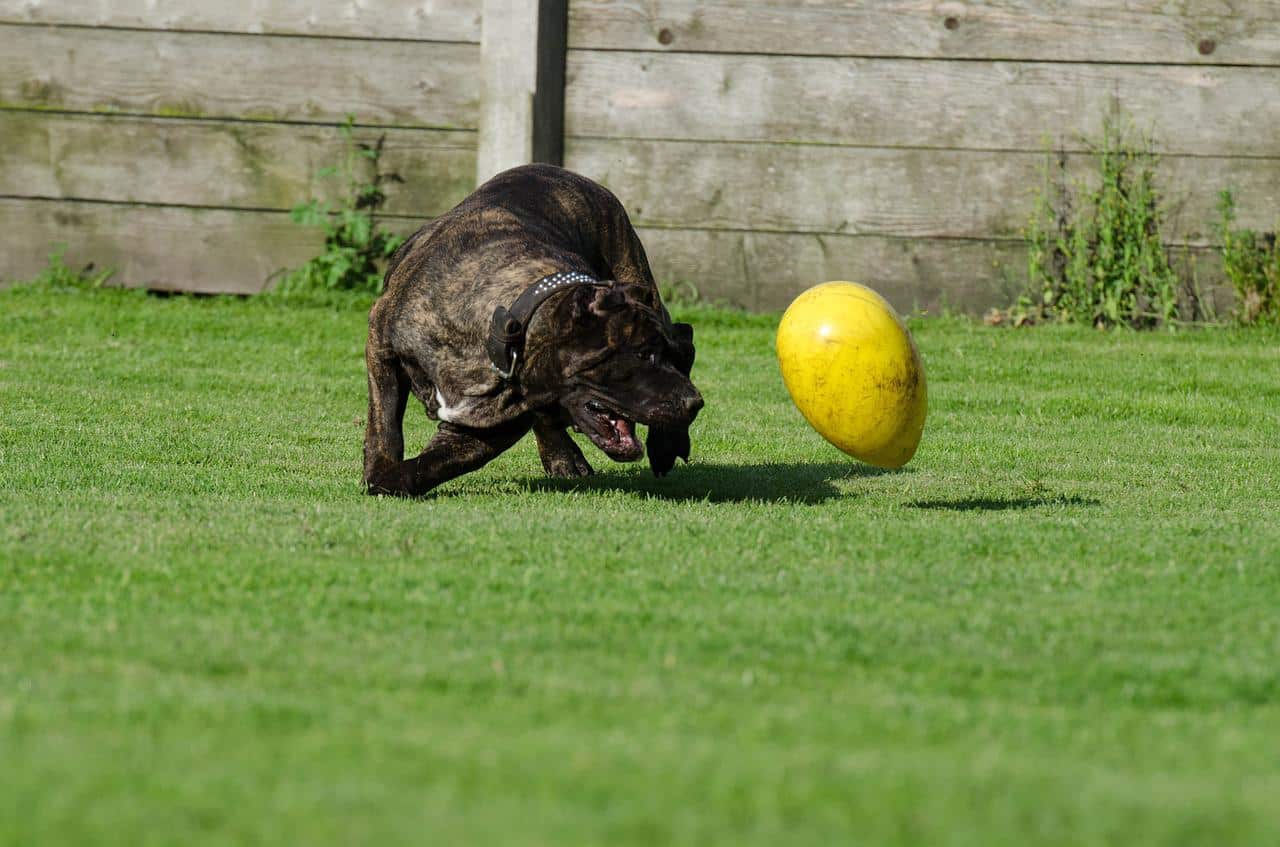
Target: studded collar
505, 344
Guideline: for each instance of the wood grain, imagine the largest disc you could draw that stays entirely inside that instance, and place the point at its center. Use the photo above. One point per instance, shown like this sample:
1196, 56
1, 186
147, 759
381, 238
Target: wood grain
199, 250
424, 20
213, 250
1212, 111
163, 248
221, 163
905, 193
765, 270
276, 78
227, 251
1246, 32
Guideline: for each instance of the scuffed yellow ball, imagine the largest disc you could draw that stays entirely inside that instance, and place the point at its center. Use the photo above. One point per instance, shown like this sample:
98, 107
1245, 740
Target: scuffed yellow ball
853, 371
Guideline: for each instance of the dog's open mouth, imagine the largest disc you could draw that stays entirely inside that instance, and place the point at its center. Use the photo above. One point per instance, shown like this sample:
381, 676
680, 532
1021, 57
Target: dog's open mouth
611, 432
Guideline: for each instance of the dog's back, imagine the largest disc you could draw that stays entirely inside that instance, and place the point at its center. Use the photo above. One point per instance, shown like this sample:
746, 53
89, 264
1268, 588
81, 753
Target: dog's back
523, 224
523, 214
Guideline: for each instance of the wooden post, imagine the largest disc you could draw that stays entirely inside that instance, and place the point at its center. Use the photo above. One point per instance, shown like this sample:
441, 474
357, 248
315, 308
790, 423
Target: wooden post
522, 52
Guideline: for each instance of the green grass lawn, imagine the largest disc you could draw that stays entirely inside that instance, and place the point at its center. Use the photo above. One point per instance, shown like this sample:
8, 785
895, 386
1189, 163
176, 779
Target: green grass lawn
1060, 624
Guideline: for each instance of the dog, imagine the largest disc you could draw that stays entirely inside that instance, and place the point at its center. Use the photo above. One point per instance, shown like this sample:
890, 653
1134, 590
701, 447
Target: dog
528, 306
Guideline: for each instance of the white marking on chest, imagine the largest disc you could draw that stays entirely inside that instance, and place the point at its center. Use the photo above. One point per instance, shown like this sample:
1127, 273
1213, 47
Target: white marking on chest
445, 412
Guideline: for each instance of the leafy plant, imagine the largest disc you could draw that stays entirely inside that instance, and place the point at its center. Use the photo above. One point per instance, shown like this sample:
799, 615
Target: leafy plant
1097, 252
679, 294
57, 275
1251, 263
355, 244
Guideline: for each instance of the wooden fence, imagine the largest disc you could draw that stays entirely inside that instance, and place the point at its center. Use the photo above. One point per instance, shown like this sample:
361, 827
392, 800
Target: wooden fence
170, 140
765, 145
760, 145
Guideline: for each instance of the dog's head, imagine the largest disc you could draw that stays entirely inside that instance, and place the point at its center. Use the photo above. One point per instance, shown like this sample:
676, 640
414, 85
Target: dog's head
621, 362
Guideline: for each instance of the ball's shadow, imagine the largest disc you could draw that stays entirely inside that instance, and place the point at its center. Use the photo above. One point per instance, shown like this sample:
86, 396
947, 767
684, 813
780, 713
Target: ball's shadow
1003, 504
789, 482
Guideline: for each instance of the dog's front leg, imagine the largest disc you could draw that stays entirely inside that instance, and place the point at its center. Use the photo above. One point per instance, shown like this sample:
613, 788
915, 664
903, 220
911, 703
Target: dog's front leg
451, 452
560, 456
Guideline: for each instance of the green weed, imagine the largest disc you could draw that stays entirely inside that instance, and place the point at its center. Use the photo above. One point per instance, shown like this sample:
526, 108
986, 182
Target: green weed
680, 293
58, 275
1251, 263
1097, 253
356, 246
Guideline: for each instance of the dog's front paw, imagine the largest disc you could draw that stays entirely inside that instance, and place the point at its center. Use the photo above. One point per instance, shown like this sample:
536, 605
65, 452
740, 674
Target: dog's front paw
385, 477
665, 445
566, 464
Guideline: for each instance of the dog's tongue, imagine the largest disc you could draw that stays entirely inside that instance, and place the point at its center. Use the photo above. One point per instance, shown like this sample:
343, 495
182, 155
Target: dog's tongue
623, 430
624, 444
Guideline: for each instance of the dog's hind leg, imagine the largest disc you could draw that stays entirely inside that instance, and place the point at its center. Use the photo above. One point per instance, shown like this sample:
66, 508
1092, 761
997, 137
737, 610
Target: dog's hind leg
560, 455
452, 451
384, 433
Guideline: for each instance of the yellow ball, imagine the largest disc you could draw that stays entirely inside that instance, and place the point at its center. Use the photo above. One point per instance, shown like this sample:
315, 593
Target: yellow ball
853, 371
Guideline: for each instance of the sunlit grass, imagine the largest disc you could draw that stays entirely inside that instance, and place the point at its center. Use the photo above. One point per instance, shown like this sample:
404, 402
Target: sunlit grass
1058, 625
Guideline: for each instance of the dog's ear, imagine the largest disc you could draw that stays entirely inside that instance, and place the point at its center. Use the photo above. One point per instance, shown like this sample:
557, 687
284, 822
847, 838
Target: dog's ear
597, 301
682, 351
611, 299
645, 295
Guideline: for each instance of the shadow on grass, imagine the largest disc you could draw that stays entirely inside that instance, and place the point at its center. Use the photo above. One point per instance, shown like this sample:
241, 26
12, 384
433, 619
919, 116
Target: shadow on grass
790, 482
1001, 504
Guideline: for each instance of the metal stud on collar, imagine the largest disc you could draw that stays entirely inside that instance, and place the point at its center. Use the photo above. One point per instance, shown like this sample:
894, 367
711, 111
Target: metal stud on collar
549, 284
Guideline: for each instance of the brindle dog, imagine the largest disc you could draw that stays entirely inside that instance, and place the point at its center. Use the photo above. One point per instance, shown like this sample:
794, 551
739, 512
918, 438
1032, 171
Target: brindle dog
601, 355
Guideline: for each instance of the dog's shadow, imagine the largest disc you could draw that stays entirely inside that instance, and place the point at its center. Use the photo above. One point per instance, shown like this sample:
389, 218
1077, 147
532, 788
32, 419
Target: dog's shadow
784, 482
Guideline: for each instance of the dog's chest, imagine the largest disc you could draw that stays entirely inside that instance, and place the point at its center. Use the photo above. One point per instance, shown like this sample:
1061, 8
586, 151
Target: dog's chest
470, 395
464, 411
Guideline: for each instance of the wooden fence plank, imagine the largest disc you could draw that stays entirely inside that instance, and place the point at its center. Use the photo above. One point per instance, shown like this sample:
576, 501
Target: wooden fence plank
424, 20
895, 192
227, 251
1155, 31
215, 250
203, 250
1214, 111
164, 248
220, 163
522, 77
765, 270
277, 78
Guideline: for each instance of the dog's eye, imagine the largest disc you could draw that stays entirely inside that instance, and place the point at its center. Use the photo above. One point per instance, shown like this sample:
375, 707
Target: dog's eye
647, 356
